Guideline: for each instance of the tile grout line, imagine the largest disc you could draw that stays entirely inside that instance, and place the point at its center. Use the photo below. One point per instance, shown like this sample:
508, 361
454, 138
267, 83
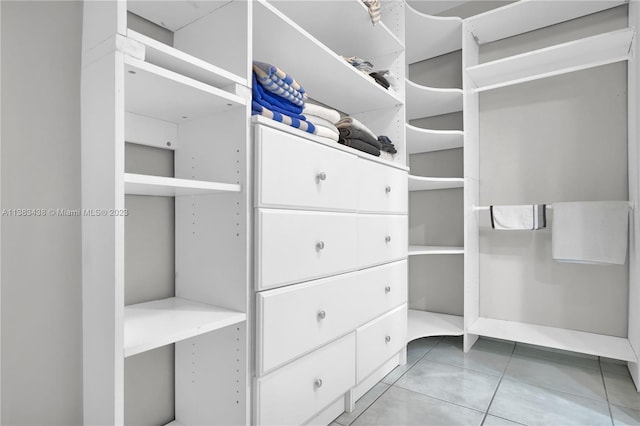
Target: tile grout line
606, 393
457, 404
486, 412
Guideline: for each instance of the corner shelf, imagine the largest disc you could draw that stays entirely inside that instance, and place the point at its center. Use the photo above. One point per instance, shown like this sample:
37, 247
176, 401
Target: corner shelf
423, 250
576, 55
173, 15
558, 338
426, 324
423, 101
153, 324
419, 183
426, 140
430, 36
528, 15
301, 58
136, 184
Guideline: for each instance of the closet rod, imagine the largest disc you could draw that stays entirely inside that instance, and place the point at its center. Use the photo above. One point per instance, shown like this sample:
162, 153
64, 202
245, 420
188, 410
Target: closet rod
548, 206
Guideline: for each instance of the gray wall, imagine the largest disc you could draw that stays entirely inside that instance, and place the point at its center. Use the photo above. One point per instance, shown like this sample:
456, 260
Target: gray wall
41, 372
557, 139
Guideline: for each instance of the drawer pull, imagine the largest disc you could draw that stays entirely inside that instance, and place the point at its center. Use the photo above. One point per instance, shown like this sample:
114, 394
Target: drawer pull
321, 176
322, 315
318, 383
387, 339
387, 239
387, 289
387, 189
319, 245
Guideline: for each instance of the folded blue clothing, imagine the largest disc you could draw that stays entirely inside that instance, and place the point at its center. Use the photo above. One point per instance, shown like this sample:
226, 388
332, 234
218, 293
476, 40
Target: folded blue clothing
272, 101
279, 82
258, 109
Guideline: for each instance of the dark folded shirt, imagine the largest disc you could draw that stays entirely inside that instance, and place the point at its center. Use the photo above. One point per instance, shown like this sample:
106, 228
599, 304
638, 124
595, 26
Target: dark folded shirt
352, 133
360, 145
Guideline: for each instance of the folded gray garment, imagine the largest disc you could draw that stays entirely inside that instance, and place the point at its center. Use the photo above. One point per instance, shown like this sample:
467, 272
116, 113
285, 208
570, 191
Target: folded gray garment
353, 133
360, 145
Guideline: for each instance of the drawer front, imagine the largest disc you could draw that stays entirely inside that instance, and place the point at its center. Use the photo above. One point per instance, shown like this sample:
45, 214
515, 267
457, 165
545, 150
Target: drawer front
294, 393
294, 246
292, 172
380, 339
381, 238
294, 320
381, 189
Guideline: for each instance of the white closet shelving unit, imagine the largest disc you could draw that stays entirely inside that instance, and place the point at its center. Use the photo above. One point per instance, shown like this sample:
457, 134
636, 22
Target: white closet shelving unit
189, 100
428, 37
615, 46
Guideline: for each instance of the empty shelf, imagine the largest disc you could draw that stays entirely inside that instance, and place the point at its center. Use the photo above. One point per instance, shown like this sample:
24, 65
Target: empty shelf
425, 140
350, 32
423, 101
165, 56
333, 83
559, 338
161, 322
419, 183
430, 36
528, 15
562, 58
174, 15
158, 93
171, 187
426, 324
420, 250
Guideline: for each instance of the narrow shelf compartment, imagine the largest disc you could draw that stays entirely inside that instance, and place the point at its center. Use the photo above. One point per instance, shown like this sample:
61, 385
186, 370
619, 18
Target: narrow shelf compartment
174, 15
161, 322
528, 15
155, 92
423, 101
423, 250
282, 42
430, 36
419, 183
165, 56
425, 140
160, 186
350, 33
559, 338
559, 59
426, 324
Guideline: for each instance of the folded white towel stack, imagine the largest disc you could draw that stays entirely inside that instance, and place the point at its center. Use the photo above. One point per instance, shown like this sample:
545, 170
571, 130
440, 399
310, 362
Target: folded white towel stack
594, 232
516, 218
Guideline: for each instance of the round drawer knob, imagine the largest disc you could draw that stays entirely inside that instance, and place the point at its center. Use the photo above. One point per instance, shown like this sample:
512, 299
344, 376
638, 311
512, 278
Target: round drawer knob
387, 339
387, 189
318, 383
387, 238
319, 245
322, 315
321, 176
387, 289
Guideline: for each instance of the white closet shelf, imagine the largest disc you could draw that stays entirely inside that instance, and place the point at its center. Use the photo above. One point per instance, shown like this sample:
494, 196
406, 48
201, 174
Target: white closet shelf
426, 324
423, 101
350, 33
528, 15
420, 183
136, 184
165, 56
158, 93
161, 322
174, 15
430, 36
281, 42
426, 140
559, 59
421, 250
559, 338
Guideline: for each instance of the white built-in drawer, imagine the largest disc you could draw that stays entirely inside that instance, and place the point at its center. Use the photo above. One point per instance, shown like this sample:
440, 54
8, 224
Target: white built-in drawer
293, 394
380, 339
381, 189
294, 320
381, 238
294, 246
293, 172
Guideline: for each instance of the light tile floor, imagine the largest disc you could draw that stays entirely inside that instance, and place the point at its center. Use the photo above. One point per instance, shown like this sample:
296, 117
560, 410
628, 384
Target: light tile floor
498, 383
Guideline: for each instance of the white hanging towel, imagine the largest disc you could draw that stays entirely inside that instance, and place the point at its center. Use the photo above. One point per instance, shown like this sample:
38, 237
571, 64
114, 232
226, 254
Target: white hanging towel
515, 218
594, 232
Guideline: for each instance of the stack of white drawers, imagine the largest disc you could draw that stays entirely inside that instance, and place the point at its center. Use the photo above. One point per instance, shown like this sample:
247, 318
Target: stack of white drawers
331, 273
